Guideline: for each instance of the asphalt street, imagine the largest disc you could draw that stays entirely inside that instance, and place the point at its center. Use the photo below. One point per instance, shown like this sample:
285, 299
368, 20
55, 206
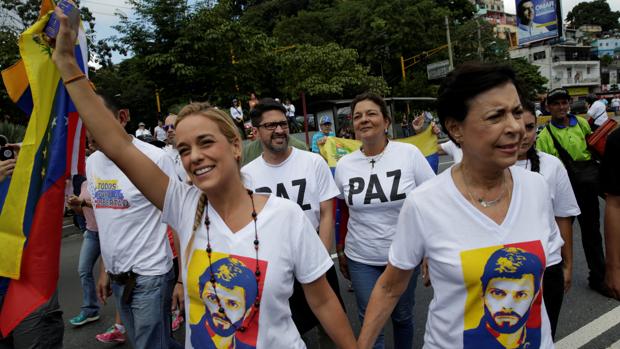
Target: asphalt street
588, 320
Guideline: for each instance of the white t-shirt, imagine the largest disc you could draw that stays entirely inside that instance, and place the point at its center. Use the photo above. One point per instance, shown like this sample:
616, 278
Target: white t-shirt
160, 133
289, 249
236, 113
375, 195
143, 132
562, 196
453, 150
303, 177
176, 158
465, 247
131, 233
615, 102
598, 111
290, 110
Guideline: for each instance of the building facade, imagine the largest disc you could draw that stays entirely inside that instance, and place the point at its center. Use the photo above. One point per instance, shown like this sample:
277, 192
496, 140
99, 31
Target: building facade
567, 66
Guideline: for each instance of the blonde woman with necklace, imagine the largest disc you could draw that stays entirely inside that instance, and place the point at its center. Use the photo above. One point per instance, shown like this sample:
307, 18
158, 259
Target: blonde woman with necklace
374, 181
241, 250
487, 228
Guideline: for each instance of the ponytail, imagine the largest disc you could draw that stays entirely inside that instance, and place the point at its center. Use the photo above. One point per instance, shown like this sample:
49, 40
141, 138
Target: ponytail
534, 159
197, 220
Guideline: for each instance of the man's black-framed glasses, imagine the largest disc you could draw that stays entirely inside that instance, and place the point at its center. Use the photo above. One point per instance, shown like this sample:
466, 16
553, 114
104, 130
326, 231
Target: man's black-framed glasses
271, 126
168, 127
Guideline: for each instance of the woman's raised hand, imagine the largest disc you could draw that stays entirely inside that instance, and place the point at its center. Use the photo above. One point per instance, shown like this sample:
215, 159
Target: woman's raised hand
64, 44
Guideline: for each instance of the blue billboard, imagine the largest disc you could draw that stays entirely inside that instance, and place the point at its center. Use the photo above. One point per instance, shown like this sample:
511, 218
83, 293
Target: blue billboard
538, 20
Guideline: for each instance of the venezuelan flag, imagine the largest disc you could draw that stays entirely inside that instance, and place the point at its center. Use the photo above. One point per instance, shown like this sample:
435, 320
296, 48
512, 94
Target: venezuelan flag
31, 209
335, 148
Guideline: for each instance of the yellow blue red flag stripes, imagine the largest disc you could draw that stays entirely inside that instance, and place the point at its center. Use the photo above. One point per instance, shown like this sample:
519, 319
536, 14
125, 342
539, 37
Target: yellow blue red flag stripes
31, 210
335, 148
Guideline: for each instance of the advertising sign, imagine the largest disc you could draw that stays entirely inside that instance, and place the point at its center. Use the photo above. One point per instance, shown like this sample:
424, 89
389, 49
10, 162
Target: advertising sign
438, 70
537, 20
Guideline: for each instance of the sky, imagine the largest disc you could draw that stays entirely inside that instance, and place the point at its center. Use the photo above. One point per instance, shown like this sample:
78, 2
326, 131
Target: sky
103, 11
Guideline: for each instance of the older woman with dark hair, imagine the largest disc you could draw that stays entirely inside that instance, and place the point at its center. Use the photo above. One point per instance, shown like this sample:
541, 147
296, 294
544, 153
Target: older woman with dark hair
487, 228
374, 181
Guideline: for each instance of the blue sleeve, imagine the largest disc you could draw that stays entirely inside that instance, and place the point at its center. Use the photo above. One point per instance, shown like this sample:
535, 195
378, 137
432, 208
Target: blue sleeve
315, 146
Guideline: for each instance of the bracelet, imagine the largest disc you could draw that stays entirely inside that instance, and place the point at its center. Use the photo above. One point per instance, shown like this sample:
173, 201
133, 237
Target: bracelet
83, 203
74, 79
340, 253
179, 282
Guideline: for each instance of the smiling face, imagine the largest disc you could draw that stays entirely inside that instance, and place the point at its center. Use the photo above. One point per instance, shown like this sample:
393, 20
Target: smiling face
368, 121
507, 302
208, 156
558, 109
276, 140
492, 131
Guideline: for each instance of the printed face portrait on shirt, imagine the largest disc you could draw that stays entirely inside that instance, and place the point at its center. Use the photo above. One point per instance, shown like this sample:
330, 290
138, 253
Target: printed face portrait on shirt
503, 307
234, 291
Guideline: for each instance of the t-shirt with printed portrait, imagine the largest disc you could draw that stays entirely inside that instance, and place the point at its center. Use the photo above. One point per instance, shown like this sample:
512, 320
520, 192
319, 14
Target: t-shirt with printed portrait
374, 193
131, 233
303, 177
487, 277
289, 249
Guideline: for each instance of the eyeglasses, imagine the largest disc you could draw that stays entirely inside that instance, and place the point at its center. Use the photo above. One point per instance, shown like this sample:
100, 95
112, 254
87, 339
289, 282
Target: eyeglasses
168, 127
271, 126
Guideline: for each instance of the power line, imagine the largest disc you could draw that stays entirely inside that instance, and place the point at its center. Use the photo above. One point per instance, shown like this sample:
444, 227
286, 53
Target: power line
107, 5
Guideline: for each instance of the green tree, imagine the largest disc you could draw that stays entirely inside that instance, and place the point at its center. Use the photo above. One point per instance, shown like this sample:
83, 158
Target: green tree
529, 77
596, 12
325, 71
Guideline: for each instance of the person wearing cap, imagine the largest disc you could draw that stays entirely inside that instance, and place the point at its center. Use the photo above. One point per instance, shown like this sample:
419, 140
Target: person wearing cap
142, 130
570, 132
320, 137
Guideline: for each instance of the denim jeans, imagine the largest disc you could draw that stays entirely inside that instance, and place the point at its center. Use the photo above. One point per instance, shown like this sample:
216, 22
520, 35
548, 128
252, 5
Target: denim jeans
364, 277
88, 257
147, 316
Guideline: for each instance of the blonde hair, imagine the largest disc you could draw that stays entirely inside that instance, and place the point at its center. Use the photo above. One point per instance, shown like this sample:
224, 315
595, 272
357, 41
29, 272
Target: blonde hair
223, 121
230, 132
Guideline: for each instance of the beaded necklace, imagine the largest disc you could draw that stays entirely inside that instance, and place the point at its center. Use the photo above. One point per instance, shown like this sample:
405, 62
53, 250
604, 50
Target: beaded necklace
257, 272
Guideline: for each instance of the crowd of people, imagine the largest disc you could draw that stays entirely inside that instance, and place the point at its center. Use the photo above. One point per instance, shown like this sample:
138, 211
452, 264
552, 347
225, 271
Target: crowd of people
237, 238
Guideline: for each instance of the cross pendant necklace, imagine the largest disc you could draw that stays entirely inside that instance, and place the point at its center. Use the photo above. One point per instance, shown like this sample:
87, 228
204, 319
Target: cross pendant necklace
372, 163
375, 159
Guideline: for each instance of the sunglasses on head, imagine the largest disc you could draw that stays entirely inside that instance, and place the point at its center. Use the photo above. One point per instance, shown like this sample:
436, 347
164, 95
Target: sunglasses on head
168, 127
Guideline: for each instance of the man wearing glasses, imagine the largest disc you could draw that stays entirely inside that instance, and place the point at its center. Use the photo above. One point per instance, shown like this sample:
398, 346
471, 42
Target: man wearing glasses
171, 146
299, 176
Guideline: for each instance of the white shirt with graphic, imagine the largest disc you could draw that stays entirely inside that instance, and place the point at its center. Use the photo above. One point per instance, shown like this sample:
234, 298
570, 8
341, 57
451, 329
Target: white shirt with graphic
131, 233
303, 177
562, 195
467, 251
289, 249
375, 195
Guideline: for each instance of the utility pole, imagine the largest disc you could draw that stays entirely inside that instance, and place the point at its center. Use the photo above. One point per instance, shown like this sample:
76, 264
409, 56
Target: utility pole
402, 67
449, 43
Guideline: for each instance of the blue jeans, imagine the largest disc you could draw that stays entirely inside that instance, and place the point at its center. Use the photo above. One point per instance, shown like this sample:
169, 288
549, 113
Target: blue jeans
147, 316
88, 257
364, 277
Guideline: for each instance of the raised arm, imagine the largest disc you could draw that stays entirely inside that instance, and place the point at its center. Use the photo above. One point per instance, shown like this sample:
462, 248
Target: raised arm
112, 139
